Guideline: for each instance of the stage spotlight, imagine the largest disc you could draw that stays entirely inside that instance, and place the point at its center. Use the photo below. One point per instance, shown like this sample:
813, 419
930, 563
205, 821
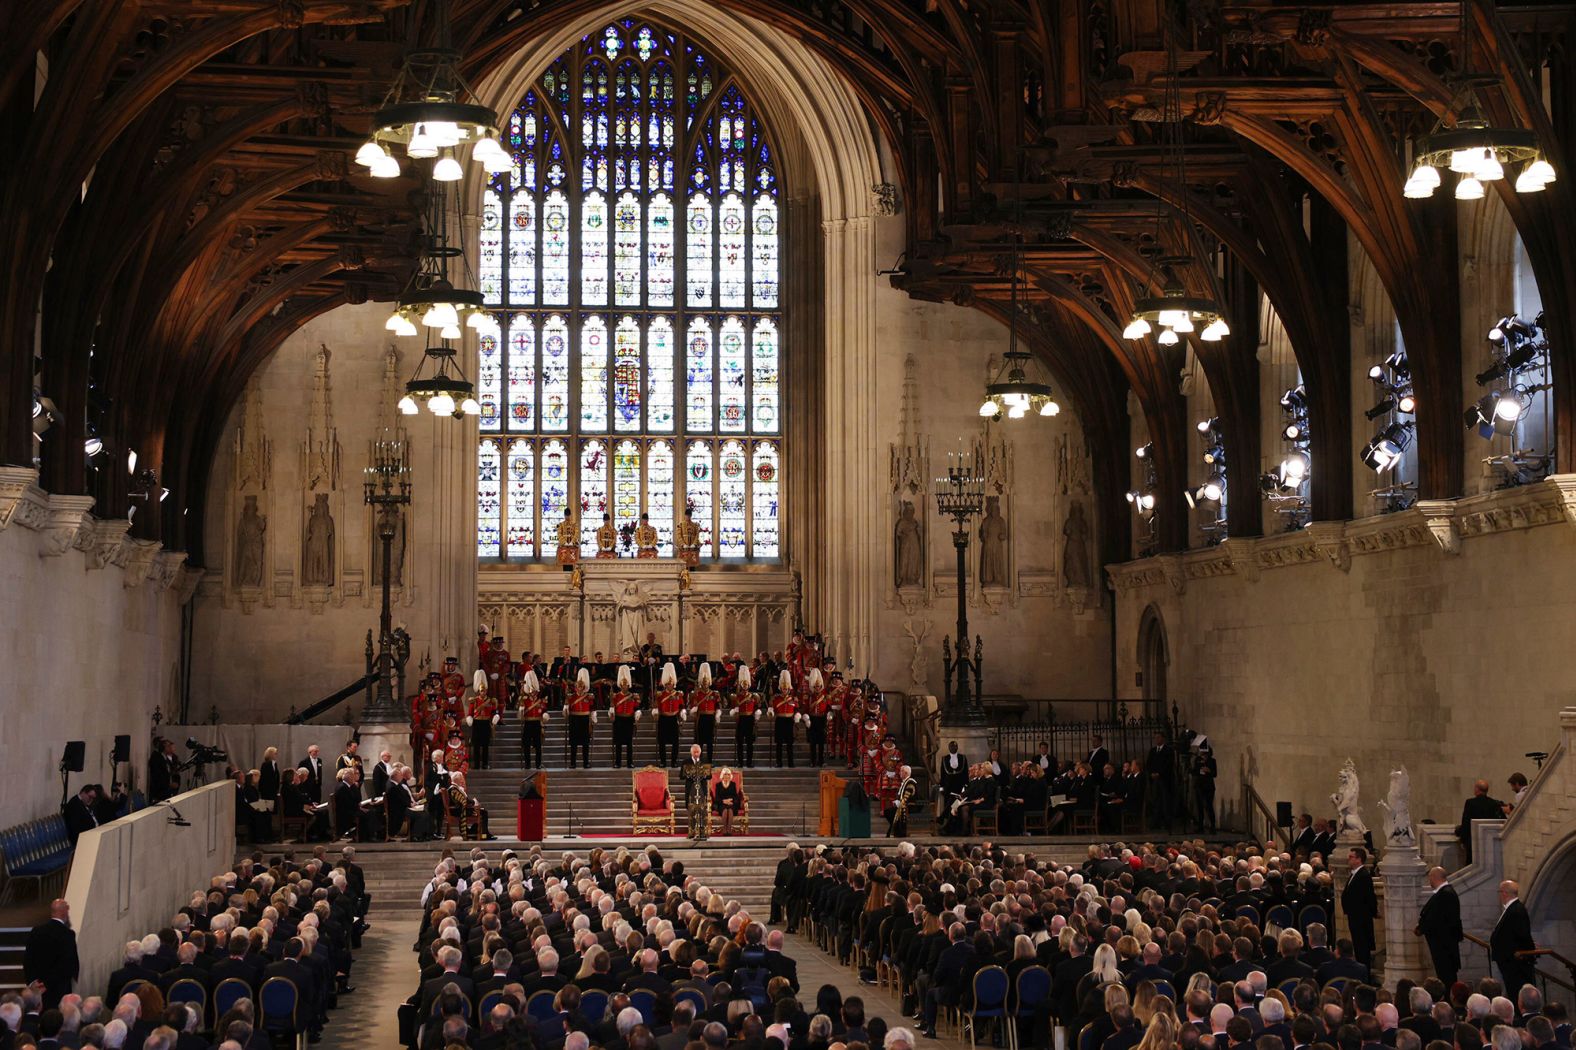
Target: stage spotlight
1382, 407
1143, 451
1384, 451
1481, 413
1295, 399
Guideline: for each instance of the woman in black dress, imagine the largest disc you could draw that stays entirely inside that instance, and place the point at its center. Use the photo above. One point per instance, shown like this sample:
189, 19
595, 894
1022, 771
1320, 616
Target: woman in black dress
726, 800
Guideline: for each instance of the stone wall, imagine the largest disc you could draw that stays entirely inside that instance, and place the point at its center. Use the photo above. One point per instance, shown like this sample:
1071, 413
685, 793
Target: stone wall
1433, 637
281, 634
1046, 635
89, 645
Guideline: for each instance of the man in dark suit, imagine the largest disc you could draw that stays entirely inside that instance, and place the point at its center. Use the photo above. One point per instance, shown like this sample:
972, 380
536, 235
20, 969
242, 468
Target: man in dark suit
294, 970
381, 772
186, 969
784, 875
1065, 978
946, 982
50, 957
1439, 923
1323, 839
1098, 757
80, 815
1479, 807
163, 770
1343, 965
1360, 904
1302, 842
1512, 934
313, 764
778, 964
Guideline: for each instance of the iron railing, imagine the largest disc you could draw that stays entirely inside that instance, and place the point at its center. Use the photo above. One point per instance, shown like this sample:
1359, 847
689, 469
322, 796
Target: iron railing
1126, 733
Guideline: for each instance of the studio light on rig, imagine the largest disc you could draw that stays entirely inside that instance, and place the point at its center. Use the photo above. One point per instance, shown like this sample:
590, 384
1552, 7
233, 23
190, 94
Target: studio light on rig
1211, 492
1384, 450
1143, 501
1284, 485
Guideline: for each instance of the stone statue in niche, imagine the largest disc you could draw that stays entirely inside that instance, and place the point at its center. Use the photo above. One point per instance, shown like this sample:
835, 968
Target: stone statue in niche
396, 554
631, 609
1075, 547
317, 551
908, 558
249, 545
993, 545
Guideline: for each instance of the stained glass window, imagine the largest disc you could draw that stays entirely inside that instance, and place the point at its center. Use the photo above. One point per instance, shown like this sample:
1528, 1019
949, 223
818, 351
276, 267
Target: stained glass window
659, 494
522, 495
593, 493
763, 501
731, 489
633, 254
489, 381
489, 510
698, 481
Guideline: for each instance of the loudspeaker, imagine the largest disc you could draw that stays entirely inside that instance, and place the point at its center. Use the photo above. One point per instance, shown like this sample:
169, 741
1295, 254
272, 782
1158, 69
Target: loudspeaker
1283, 814
122, 752
76, 751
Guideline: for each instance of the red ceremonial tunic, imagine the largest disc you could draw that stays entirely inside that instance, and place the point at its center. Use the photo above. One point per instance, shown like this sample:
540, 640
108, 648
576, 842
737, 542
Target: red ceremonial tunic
626, 704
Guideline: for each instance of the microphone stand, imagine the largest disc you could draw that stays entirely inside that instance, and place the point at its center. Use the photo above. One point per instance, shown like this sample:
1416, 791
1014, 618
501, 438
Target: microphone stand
571, 834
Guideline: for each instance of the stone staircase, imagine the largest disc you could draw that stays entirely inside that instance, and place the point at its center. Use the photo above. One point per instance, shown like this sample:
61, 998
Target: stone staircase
13, 943
596, 801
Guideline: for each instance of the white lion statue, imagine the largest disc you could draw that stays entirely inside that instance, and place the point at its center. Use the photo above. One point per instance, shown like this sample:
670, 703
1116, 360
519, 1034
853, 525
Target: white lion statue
1345, 801
1398, 809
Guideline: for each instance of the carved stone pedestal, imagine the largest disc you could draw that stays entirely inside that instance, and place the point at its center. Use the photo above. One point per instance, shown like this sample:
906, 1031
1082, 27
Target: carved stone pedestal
1405, 955
395, 736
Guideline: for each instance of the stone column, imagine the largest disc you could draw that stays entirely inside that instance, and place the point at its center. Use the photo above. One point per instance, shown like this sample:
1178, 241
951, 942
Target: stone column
1405, 954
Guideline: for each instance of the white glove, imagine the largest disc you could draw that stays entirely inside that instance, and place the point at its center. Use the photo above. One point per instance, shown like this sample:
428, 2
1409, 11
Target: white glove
494, 676
495, 719
800, 718
544, 717
684, 714
638, 713
593, 718
757, 713
468, 720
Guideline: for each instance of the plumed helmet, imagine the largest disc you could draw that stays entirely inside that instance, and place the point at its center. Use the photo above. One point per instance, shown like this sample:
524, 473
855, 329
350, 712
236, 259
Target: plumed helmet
815, 678
670, 677
624, 679
479, 681
583, 680
785, 682
704, 677
529, 684
744, 679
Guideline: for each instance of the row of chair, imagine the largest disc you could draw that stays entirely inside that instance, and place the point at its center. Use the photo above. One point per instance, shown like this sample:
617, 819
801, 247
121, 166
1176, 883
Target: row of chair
39, 850
276, 1002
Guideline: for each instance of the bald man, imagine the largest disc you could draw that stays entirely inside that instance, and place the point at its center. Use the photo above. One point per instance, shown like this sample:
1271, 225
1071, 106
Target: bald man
1512, 934
1479, 807
1439, 923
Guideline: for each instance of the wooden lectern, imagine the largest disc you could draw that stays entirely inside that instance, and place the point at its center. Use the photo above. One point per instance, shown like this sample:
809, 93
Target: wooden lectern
832, 787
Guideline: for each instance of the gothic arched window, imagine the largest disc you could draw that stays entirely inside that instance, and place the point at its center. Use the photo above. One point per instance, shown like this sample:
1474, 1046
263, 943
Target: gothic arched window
633, 257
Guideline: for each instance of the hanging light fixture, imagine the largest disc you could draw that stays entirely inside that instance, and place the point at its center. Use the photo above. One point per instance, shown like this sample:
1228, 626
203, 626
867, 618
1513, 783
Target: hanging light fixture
432, 113
1017, 389
431, 299
1174, 313
1472, 148
440, 384
1477, 152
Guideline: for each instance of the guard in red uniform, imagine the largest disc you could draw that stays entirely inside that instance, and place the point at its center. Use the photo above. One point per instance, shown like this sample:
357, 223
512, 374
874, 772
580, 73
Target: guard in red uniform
498, 667
816, 703
746, 708
870, 756
533, 713
481, 717
890, 759
626, 712
582, 716
854, 713
704, 702
453, 685
785, 709
670, 709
